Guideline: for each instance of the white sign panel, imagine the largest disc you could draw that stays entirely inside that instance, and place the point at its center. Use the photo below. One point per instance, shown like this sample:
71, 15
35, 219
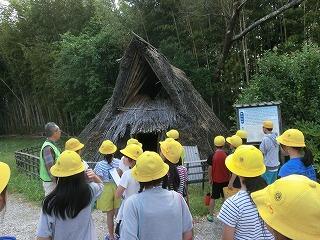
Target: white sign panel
251, 119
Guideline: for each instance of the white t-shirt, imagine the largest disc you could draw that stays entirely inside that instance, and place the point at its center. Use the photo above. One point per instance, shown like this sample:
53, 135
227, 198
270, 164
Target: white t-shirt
122, 166
240, 212
131, 186
155, 214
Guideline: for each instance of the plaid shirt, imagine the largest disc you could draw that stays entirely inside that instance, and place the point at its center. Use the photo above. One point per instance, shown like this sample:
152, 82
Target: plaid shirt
48, 154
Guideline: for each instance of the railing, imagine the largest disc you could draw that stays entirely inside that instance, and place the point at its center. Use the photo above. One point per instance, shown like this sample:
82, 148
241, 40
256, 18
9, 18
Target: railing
27, 161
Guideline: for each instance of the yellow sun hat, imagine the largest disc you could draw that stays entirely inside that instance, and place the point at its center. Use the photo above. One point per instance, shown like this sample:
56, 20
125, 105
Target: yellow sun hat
132, 151
73, 144
291, 206
171, 149
107, 147
173, 134
267, 124
134, 141
235, 141
242, 134
246, 161
4, 175
219, 141
292, 138
149, 167
69, 163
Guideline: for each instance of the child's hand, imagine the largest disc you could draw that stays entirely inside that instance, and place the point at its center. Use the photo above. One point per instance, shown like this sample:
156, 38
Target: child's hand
230, 185
90, 174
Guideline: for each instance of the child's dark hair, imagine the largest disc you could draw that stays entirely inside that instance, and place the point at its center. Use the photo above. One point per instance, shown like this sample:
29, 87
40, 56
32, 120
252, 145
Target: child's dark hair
244, 141
108, 158
3, 195
172, 182
152, 183
307, 158
254, 183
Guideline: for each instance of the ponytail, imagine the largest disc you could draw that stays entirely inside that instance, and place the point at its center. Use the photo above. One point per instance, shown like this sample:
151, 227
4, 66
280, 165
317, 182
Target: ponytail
307, 157
254, 184
173, 180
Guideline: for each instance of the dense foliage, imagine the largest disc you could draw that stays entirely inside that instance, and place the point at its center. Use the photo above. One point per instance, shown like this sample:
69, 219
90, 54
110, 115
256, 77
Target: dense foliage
59, 59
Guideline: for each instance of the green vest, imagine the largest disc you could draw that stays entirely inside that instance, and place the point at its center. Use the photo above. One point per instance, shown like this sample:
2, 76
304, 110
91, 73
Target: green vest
44, 175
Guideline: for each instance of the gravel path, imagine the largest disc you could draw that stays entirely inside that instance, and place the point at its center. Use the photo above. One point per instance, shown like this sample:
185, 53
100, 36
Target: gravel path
21, 217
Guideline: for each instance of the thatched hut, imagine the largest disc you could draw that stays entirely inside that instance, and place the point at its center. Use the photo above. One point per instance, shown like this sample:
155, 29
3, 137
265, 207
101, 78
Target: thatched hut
150, 97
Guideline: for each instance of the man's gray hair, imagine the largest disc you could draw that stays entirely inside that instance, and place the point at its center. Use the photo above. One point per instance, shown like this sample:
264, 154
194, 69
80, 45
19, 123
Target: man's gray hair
50, 128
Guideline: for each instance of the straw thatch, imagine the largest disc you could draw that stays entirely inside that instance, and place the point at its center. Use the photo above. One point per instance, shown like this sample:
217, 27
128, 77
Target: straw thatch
151, 96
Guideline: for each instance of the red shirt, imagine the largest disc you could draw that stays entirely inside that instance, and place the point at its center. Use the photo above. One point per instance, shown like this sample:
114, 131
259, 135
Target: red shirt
220, 173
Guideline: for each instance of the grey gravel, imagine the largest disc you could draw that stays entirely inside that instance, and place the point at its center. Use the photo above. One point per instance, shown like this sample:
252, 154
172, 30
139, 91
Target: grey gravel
21, 218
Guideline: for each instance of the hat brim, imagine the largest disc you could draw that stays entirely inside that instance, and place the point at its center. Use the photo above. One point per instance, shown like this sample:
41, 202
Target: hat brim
172, 159
152, 177
80, 146
282, 141
228, 139
128, 154
275, 221
4, 175
112, 151
230, 164
56, 171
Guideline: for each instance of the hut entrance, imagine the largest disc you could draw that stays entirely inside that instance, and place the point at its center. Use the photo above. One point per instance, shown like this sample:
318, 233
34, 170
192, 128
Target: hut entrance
149, 141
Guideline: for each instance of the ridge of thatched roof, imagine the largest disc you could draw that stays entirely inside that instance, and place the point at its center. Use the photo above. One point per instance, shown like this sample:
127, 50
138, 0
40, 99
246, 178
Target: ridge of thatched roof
151, 95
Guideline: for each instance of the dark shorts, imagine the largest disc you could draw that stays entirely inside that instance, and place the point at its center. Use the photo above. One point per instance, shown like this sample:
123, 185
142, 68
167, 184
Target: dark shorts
217, 190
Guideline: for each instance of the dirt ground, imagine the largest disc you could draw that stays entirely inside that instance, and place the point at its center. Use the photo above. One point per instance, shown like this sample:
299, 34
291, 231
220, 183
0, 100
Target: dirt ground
21, 218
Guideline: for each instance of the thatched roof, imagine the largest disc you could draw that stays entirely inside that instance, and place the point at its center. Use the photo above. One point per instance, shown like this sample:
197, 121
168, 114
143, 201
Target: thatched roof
151, 96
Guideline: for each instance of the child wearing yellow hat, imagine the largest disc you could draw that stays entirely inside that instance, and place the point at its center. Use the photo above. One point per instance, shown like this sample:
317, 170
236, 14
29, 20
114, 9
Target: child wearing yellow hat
243, 135
74, 144
127, 185
123, 164
238, 213
108, 202
291, 207
301, 160
155, 213
4, 179
234, 142
218, 173
173, 133
177, 176
66, 211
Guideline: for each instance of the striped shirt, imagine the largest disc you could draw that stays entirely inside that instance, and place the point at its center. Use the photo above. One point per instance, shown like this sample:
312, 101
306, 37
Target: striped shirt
183, 175
240, 212
102, 169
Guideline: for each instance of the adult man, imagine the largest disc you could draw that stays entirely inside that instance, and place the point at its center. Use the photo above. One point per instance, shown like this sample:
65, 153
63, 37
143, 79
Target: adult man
48, 155
270, 149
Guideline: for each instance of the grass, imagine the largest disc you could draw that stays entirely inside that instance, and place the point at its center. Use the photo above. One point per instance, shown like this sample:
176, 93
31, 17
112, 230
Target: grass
32, 188
19, 182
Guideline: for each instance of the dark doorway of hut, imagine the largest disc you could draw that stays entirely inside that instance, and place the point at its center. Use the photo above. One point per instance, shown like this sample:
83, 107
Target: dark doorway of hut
149, 141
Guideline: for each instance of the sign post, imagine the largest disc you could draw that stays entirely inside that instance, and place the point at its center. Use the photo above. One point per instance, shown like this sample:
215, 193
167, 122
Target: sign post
251, 116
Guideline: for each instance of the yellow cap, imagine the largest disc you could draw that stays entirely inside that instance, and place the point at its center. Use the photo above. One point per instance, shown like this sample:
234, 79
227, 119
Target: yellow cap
242, 134
171, 149
235, 141
4, 175
68, 163
268, 124
132, 151
219, 141
291, 206
134, 141
246, 161
149, 167
107, 147
173, 134
292, 138
73, 144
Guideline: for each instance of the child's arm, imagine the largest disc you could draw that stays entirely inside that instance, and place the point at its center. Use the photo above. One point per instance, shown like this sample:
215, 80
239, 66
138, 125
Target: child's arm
228, 232
92, 176
119, 192
231, 181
